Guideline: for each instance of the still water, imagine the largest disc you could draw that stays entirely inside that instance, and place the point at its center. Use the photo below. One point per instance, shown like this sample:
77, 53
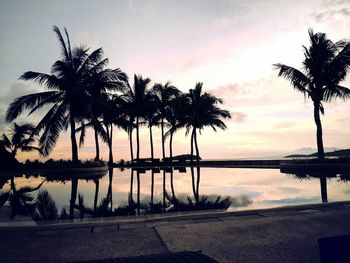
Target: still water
244, 188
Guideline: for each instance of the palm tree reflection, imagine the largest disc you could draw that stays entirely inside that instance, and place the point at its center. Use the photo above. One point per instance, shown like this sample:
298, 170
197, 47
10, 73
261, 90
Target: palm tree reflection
109, 192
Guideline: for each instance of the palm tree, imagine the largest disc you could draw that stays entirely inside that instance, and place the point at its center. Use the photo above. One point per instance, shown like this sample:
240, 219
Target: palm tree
152, 117
202, 111
21, 138
165, 93
69, 84
137, 97
325, 66
176, 118
101, 87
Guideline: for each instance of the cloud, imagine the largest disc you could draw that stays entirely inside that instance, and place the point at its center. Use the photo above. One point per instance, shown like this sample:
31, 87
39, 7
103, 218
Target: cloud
328, 14
238, 116
228, 90
16, 90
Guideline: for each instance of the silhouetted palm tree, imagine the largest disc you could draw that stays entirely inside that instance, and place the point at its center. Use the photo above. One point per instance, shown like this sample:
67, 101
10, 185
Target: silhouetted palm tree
101, 87
114, 114
202, 111
68, 83
176, 118
325, 66
165, 93
152, 117
21, 138
137, 97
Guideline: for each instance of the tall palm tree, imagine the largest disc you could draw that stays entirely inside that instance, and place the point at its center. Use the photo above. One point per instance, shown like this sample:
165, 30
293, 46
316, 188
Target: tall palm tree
176, 118
114, 114
324, 67
202, 111
152, 117
21, 138
165, 93
137, 97
102, 85
68, 84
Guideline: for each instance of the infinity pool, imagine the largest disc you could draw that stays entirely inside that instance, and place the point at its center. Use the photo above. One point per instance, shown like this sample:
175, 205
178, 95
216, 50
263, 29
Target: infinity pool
246, 188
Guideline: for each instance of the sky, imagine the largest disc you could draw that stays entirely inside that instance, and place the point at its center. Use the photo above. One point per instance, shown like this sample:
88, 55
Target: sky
230, 46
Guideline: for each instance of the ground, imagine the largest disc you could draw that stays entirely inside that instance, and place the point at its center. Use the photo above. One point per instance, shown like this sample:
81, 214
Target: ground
270, 235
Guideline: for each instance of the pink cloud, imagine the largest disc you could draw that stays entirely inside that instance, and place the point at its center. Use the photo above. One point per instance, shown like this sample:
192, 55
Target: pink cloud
238, 116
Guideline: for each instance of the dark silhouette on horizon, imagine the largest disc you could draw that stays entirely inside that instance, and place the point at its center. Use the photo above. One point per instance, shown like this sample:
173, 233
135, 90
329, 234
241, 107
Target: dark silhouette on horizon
83, 92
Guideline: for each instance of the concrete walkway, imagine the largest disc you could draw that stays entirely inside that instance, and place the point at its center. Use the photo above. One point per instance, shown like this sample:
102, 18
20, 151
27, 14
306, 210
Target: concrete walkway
271, 235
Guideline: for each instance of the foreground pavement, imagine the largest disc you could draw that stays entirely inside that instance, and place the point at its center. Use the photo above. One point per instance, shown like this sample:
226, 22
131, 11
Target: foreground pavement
270, 235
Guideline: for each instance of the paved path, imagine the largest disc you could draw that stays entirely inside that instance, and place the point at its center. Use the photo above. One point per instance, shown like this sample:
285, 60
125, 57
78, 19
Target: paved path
275, 235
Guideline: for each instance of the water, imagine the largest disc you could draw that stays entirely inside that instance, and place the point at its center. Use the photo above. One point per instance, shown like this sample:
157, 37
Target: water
246, 188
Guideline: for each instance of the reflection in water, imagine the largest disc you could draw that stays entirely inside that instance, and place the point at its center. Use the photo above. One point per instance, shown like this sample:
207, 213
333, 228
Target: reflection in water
92, 195
73, 196
109, 192
97, 186
322, 176
20, 200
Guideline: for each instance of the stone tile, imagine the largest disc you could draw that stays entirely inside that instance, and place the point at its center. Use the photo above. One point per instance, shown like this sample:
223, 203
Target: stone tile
207, 220
45, 233
159, 223
132, 226
279, 213
239, 217
308, 211
74, 231
182, 222
98, 229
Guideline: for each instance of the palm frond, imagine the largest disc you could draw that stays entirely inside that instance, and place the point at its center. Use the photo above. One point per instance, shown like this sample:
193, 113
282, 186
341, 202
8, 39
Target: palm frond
336, 92
63, 45
28, 102
298, 80
52, 123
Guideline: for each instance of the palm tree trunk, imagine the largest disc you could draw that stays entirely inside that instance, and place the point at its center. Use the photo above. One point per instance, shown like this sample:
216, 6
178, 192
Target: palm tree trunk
163, 141
131, 147
97, 184
171, 147
320, 149
164, 191
73, 197
196, 144
172, 183
171, 161
97, 157
73, 140
192, 138
137, 139
110, 160
151, 141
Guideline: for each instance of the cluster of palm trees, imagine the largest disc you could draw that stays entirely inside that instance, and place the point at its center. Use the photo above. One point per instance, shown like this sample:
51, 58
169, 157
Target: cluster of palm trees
83, 93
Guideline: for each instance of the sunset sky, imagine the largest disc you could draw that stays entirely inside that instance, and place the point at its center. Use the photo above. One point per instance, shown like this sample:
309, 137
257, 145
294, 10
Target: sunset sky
230, 46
